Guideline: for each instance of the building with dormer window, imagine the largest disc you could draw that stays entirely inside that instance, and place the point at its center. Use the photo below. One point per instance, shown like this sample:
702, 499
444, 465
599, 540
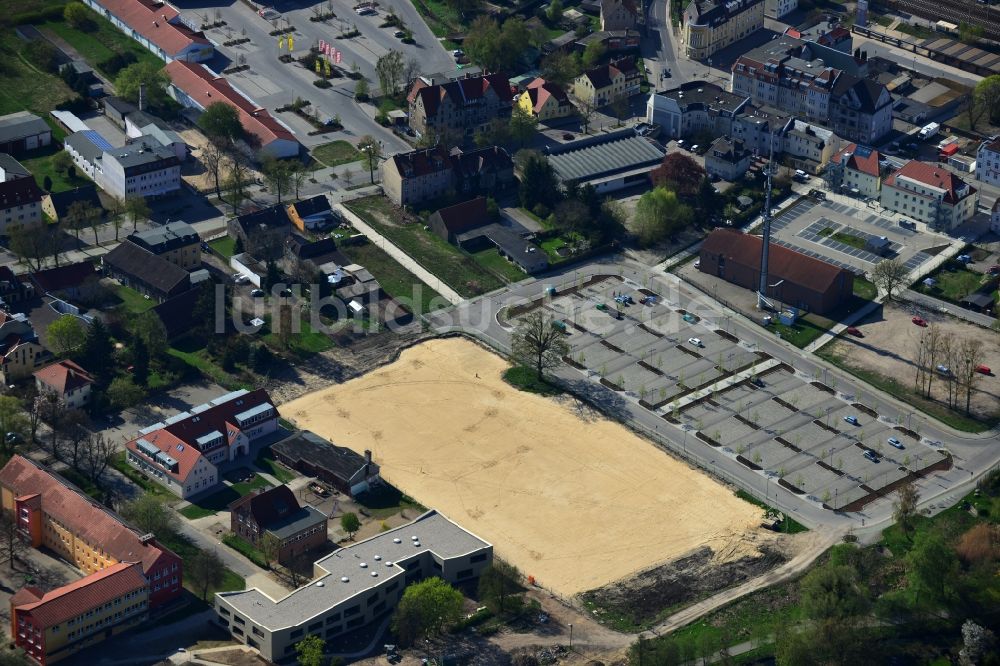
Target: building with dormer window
712, 25
930, 194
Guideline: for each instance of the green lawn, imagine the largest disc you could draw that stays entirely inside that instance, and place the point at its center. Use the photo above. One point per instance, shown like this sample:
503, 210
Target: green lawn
914, 30
884, 21
220, 501
22, 86
187, 551
226, 246
246, 549
445, 20
39, 163
198, 357
131, 300
246, 487
304, 343
385, 501
491, 260
447, 262
954, 282
526, 379
864, 289
396, 281
800, 335
267, 463
100, 44
550, 247
134, 475
336, 153
788, 526
845, 238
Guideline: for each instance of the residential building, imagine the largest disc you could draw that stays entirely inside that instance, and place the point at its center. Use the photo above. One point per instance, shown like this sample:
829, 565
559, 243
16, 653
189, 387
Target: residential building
788, 76
51, 626
262, 232
275, 514
158, 26
312, 213
856, 170
429, 173
20, 204
12, 288
20, 352
186, 452
777, 9
86, 147
988, 161
712, 25
693, 108
809, 147
70, 281
798, 280
143, 168
728, 159
451, 221
140, 126
545, 101
619, 14
929, 193
762, 128
304, 260
604, 84
177, 242
459, 106
196, 86
22, 131
336, 466
356, 585
613, 41
995, 217
54, 514
11, 169
56, 204
608, 162
67, 380
149, 274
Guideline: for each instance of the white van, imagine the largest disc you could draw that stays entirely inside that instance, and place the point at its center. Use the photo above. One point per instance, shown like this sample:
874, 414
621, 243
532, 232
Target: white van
801, 176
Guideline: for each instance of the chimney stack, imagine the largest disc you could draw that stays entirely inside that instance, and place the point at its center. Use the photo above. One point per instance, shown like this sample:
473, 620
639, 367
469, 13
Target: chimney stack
368, 457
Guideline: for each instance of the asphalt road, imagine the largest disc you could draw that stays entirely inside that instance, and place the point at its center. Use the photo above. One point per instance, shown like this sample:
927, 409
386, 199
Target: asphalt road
973, 454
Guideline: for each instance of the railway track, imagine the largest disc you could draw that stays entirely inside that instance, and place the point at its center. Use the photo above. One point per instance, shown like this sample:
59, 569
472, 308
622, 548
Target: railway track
956, 11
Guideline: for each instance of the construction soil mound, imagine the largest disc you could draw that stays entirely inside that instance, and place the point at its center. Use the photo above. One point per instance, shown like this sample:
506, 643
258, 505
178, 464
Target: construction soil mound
568, 496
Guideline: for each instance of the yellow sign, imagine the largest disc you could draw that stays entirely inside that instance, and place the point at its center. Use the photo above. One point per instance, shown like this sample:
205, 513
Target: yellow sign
291, 43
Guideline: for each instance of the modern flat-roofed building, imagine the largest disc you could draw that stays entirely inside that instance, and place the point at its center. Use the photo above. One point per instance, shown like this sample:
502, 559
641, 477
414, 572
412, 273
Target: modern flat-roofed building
712, 25
50, 626
177, 242
143, 168
609, 162
693, 107
354, 586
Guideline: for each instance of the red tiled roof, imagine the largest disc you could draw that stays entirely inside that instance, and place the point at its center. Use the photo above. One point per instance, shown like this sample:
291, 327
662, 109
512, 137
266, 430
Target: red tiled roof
933, 176
541, 90
64, 277
268, 506
97, 589
64, 376
604, 75
26, 595
465, 216
186, 456
157, 22
783, 263
205, 87
460, 91
858, 162
217, 417
422, 162
86, 518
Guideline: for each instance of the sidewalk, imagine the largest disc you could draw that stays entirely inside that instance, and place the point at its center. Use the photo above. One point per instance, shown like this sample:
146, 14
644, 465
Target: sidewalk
404, 259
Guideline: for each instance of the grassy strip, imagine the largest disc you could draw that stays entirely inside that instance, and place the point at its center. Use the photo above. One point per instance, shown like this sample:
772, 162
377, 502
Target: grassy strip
396, 281
101, 44
954, 282
847, 239
902, 392
865, 289
304, 343
246, 549
22, 85
226, 246
40, 165
267, 463
136, 477
526, 379
801, 334
336, 153
491, 260
198, 360
788, 526
133, 301
387, 501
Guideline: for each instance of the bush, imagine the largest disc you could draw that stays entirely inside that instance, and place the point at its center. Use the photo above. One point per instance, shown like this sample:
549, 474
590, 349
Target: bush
322, 83
79, 17
43, 55
117, 62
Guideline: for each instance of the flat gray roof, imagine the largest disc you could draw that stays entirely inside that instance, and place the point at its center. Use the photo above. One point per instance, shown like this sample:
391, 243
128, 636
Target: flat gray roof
21, 124
381, 554
605, 158
305, 517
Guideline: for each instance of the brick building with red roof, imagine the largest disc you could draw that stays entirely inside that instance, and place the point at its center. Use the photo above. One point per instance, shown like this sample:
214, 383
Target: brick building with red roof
196, 86
53, 513
50, 626
805, 283
157, 26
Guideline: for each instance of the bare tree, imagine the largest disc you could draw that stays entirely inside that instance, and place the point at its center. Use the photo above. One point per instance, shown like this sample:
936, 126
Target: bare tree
12, 544
73, 427
905, 507
946, 358
214, 161
116, 214
889, 275
932, 351
97, 455
538, 344
410, 73
968, 357
586, 111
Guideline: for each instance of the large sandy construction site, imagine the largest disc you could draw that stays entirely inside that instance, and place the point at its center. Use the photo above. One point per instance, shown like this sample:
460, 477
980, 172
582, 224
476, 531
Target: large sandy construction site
568, 496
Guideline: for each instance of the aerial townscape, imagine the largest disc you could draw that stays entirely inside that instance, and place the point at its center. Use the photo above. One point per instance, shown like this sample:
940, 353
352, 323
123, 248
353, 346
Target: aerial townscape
481, 332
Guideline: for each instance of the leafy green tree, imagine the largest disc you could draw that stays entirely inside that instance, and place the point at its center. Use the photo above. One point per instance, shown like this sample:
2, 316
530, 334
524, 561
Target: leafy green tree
593, 54
904, 509
539, 184
309, 651
371, 151
151, 515
61, 161
680, 173
537, 344
932, 569
278, 176
140, 362
522, 124
495, 133
833, 592
12, 419
555, 12
389, 69
66, 335
361, 90
986, 98
149, 75
221, 123
349, 523
495, 48
660, 214
77, 16
205, 571
123, 393
426, 609
98, 353
497, 584
149, 328
561, 68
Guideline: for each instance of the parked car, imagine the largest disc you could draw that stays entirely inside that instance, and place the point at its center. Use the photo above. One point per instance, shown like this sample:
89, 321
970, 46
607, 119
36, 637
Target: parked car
819, 195
458, 53
855, 331
801, 176
240, 278
399, 34
696, 342
871, 455
697, 263
919, 321
895, 443
257, 293
984, 369
268, 13
853, 420
694, 148
943, 369
689, 318
965, 259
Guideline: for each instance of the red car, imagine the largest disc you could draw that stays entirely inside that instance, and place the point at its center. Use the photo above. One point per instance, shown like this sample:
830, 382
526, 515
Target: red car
919, 321
853, 330
984, 369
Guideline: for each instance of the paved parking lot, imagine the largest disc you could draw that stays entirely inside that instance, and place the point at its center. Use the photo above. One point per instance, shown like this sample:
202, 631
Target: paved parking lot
800, 227
725, 394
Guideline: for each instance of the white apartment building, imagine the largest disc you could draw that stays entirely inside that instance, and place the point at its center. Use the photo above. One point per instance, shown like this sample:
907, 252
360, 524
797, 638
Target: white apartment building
929, 193
988, 161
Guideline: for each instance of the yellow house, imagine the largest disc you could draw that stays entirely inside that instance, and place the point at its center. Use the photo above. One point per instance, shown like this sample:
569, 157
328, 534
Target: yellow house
545, 100
602, 85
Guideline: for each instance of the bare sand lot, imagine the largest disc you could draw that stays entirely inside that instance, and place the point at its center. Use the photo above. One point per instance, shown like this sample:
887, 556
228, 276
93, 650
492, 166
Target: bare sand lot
571, 498
890, 348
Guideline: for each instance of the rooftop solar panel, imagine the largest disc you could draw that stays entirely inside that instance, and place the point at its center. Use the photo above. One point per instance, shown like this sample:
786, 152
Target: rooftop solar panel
97, 139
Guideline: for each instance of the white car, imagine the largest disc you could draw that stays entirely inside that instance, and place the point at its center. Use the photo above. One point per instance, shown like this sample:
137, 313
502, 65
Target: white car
696, 342
240, 278
458, 53
269, 14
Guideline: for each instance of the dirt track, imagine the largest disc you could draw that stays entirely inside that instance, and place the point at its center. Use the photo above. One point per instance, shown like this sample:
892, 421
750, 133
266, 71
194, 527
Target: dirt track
568, 496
